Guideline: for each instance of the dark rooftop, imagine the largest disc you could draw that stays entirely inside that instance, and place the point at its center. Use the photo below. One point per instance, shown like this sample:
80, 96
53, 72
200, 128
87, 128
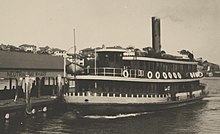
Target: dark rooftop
19, 60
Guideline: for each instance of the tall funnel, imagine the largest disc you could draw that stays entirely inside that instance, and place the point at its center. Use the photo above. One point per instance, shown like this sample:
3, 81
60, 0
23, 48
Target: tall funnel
156, 34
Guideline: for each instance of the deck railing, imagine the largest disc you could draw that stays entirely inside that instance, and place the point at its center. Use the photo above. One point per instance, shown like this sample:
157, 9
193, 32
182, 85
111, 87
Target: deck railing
104, 71
116, 72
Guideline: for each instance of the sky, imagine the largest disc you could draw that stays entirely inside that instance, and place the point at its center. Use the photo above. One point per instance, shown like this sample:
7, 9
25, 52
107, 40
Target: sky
193, 25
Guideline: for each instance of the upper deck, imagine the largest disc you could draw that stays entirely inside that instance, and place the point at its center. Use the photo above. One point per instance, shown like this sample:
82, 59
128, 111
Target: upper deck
132, 75
133, 60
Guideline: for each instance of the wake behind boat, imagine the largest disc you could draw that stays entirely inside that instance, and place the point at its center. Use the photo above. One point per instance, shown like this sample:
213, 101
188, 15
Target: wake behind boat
128, 80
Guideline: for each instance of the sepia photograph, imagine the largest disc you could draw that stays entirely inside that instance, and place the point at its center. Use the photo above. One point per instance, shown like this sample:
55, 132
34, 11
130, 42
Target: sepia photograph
110, 66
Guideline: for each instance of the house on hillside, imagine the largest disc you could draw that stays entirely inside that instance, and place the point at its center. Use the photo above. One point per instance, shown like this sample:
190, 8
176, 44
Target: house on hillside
9, 47
210, 68
28, 48
87, 52
45, 50
58, 52
13, 48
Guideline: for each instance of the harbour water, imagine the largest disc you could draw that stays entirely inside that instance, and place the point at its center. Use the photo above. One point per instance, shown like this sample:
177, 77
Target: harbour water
201, 118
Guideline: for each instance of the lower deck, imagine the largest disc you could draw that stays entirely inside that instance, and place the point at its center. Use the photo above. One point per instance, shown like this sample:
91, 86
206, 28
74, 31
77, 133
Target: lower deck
136, 88
95, 96
111, 105
108, 98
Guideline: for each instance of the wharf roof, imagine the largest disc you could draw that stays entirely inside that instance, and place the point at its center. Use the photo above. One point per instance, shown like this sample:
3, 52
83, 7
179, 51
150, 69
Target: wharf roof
21, 60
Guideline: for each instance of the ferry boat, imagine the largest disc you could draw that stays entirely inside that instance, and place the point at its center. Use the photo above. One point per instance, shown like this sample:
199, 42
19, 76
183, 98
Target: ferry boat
122, 81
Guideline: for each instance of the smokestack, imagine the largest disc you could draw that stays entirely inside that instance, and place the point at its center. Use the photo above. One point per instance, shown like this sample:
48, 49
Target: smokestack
156, 34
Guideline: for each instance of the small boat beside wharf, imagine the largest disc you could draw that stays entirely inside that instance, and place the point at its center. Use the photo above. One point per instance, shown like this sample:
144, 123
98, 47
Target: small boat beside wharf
41, 104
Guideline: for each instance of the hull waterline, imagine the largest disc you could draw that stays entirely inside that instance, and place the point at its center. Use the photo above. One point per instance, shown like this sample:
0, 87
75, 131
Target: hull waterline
115, 109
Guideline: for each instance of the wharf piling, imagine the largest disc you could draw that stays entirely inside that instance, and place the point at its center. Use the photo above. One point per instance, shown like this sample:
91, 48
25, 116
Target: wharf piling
38, 104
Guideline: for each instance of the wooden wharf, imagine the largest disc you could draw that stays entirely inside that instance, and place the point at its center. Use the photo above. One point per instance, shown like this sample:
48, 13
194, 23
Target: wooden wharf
41, 104
35, 83
27, 104
11, 105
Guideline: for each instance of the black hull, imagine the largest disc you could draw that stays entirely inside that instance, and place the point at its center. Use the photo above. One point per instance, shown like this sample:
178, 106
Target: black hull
115, 109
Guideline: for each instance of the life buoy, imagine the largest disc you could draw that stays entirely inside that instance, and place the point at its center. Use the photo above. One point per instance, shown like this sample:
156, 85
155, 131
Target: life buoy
149, 74
200, 74
170, 75
125, 73
194, 75
7, 116
179, 75
164, 75
174, 75
157, 75
197, 74
191, 74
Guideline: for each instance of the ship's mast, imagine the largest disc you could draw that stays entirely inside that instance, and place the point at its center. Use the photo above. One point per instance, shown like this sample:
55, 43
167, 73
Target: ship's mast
95, 61
74, 53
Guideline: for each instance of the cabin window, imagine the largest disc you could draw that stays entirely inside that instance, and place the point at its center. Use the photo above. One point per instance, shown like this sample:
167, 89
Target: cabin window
175, 67
163, 67
157, 66
141, 65
189, 67
147, 66
71, 83
194, 68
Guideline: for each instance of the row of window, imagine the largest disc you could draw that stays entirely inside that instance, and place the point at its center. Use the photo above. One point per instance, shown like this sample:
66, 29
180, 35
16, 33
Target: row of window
133, 87
162, 67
